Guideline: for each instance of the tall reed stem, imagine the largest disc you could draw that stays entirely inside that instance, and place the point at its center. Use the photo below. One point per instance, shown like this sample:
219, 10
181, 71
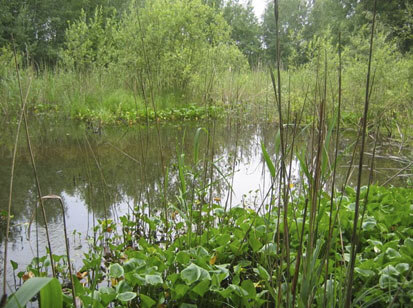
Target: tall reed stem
354, 238
69, 262
11, 191
29, 146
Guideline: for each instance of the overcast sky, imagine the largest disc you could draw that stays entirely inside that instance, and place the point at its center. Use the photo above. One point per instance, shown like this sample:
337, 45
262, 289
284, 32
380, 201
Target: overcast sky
259, 7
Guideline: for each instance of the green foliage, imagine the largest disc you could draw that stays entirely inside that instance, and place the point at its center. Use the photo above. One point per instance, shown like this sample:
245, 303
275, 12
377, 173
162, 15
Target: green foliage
50, 293
38, 27
232, 260
245, 29
90, 43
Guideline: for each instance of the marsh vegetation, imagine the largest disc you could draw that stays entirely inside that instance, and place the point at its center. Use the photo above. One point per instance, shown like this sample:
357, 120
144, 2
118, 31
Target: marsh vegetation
186, 154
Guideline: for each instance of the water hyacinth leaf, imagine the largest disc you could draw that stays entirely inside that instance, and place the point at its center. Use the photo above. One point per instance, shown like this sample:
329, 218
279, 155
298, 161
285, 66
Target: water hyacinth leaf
202, 287
183, 257
173, 277
202, 252
254, 243
107, 294
126, 296
238, 290
133, 264
180, 290
390, 270
223, 239
387, 281
392, 253
402, 267
408, 243
116, 270
262, 272
369, 223
147, 301
267, 159
186, 305
269, 249
153, 279
248, 286
50, 293
191, 274
364, 272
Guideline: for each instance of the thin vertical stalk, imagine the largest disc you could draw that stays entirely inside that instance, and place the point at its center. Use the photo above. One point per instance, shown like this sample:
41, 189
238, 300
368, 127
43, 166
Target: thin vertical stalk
29, 146
354, 239
66, 243
282, 185
6, 241
330, 223
151, 87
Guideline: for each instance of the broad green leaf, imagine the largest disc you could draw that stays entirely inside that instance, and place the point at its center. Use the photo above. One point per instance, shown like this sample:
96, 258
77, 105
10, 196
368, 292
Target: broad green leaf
262, 272
107, 294
390, 270
126, 296
392, 253
183, 257
202, 287
238, 290
408, 243
133, 264
269, 249
254, 243
364, 272
181, 290
402, 267
267, 159
223, 239
116, 270
248, 286
369, 223
186, 305
50, 293
191, 274
153, 279
147, 301
387, 281
14, 265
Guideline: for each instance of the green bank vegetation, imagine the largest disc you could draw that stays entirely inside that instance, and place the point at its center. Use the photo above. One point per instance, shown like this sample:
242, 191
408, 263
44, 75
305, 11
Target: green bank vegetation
140, 61
311, 244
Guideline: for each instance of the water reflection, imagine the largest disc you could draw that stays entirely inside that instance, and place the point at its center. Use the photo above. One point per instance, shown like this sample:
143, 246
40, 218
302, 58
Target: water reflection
107, 175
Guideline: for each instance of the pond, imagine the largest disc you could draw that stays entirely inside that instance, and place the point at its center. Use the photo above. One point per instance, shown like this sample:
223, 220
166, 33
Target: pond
106, 173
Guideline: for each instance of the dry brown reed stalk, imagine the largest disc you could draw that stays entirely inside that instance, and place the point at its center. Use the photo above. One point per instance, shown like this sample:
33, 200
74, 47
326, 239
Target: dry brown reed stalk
105, 185
354, 238
152, 97
29, 146
69, 263
6, 241
330, 223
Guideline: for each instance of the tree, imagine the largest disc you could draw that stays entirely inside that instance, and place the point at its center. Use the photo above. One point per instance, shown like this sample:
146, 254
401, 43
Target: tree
38, 26
293, 19
245, 29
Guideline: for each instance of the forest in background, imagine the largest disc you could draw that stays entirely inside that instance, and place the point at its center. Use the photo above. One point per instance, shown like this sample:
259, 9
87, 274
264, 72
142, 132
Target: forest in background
39, 27
124, 62
337, 73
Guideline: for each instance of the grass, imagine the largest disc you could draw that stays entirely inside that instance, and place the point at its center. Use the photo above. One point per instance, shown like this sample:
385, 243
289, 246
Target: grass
106, 96
305, 245
232, 261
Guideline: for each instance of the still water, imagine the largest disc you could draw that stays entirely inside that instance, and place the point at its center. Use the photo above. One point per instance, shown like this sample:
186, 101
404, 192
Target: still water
110, 171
